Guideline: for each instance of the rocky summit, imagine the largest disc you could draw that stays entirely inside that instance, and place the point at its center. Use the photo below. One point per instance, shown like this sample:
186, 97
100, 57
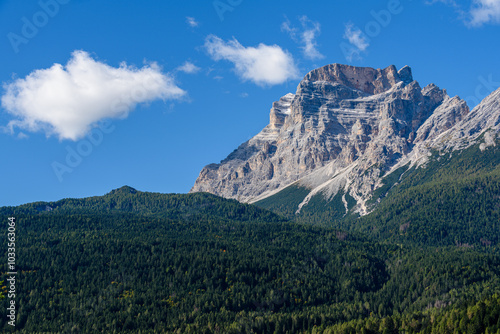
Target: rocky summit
343, 130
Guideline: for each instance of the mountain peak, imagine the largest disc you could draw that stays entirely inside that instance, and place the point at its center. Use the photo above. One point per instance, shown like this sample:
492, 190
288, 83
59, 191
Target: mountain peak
405, 74
123, 191
366, 79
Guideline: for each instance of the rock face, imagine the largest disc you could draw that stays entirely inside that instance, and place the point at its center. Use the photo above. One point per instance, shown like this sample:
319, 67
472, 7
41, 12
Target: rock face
342, 130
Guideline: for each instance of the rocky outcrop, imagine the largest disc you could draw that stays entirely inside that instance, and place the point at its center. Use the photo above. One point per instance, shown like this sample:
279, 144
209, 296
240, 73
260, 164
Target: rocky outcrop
483, 119
343, 128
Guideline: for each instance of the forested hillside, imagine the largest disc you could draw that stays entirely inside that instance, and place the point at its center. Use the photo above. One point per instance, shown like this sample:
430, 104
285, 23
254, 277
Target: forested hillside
452, 200
132, 261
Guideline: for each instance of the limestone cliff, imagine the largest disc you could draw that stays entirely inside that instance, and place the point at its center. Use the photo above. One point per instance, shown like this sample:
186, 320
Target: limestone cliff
342, 130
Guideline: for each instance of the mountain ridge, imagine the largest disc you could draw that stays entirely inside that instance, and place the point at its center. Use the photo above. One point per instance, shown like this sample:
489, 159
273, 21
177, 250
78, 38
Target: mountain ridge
129, 201
343, 130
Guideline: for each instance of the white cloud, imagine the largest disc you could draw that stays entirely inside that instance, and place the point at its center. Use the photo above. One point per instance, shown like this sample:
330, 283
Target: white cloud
288, 28
480, 12
263, 65
22, 135
67, 101
484, 11
452, 3
355, 36
461, 13
306, 37
310, 47
191, 21
188, 67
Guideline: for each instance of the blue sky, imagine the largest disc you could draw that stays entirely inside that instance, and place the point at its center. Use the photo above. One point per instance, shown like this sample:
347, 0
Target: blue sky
101, 94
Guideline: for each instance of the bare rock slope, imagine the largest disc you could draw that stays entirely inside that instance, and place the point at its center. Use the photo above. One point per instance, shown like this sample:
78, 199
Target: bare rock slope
343, 129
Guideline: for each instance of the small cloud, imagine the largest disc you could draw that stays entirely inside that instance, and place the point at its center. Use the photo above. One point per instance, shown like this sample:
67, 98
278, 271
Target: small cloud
22, 135
309, 39
188, 67
69, 100
263, 65
306, 37
357, 42
288, 28
218, 78
191, 21
461, 13
479, 13
452, 3
355, 36
244, 95
484, 12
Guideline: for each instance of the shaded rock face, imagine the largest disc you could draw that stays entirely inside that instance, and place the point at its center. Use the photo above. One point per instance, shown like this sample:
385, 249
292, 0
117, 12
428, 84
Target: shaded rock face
343, 128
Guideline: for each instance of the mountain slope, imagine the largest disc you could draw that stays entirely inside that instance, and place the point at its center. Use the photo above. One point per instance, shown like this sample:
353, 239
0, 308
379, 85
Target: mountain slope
454, 199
